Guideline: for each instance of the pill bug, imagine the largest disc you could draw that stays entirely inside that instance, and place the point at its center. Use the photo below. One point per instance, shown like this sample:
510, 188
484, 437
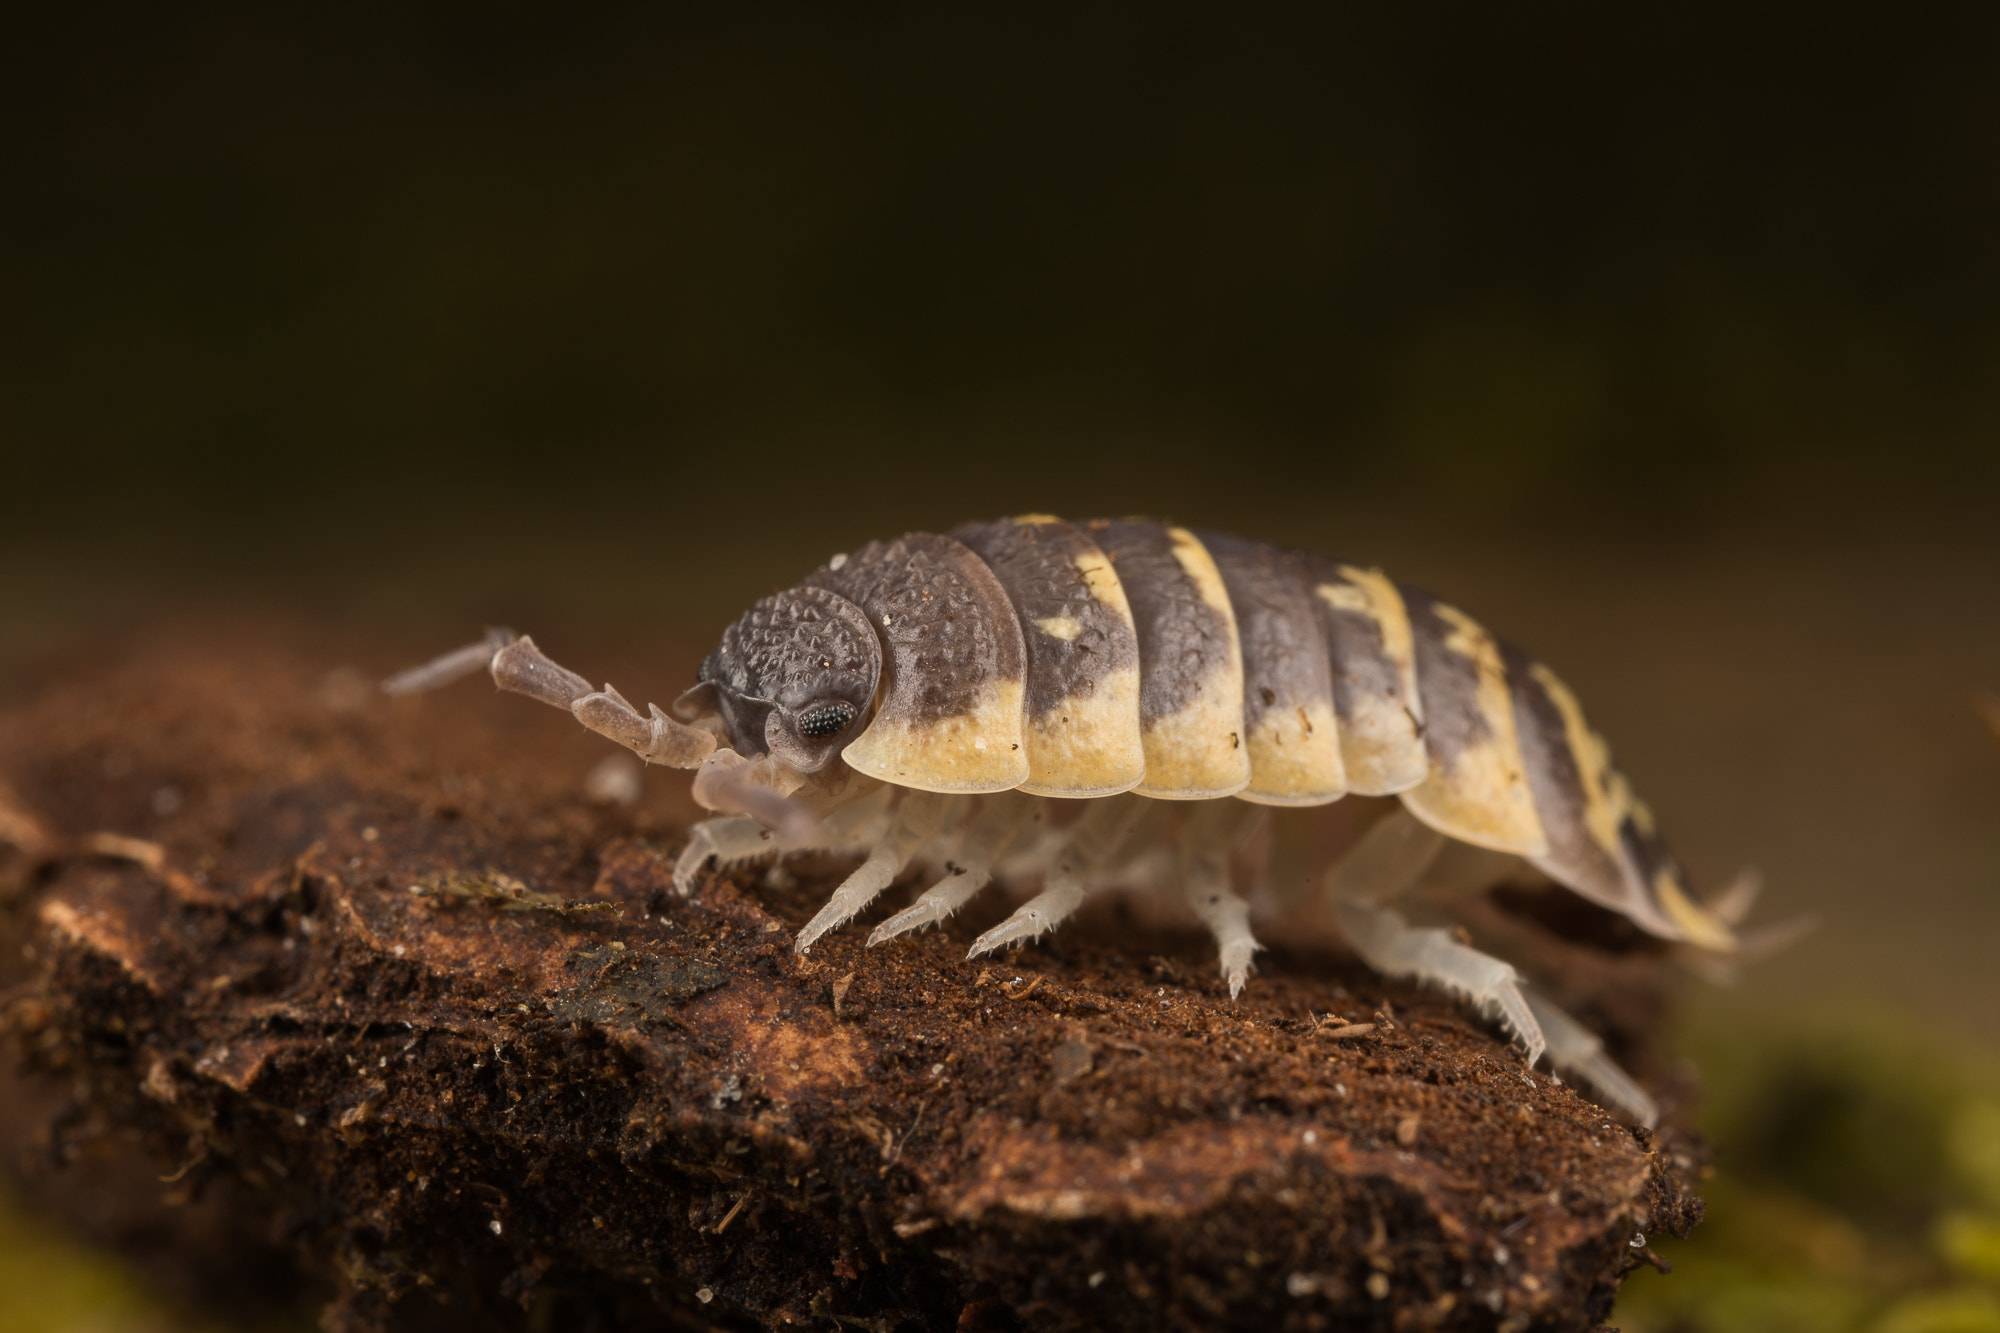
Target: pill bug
950, 692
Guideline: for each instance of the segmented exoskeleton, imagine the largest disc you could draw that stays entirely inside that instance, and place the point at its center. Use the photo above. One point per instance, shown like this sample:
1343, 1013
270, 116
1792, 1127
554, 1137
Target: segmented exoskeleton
924, 698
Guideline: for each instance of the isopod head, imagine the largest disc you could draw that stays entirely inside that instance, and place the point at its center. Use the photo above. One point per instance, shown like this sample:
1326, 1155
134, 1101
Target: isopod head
794, 677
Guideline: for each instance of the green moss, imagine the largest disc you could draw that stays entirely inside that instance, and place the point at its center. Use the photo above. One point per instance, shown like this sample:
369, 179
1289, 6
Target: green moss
1856, 1187
48, 1282
1965, 1310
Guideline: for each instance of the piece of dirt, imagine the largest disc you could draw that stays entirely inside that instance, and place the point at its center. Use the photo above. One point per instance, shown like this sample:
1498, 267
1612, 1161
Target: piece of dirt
394, 1010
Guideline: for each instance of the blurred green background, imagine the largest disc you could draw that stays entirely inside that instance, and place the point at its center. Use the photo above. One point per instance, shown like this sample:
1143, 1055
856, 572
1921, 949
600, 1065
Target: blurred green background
1666, 340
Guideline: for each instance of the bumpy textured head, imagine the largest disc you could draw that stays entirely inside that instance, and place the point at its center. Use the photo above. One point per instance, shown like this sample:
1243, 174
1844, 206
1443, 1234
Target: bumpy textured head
795, 676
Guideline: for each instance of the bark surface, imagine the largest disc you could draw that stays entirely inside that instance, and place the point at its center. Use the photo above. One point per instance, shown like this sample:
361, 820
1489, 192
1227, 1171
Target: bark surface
314, 990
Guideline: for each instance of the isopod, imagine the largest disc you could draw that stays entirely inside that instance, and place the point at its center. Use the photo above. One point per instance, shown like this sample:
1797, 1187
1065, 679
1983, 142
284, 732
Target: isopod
935, 697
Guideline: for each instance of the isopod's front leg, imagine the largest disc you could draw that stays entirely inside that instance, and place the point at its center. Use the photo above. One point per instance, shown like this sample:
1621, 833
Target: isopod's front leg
1005, 819
518, 665
1088, 846
916, 822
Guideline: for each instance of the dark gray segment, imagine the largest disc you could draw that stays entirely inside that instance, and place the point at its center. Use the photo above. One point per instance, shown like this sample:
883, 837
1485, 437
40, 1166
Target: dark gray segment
1284, 654
1448, 681
1654, 861
1359, 664
1562, 799
1182, 639
797, 648
946, 622
1037, 565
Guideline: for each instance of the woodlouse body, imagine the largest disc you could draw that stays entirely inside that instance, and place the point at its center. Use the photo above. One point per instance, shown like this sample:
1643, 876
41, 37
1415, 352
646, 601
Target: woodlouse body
1113, 660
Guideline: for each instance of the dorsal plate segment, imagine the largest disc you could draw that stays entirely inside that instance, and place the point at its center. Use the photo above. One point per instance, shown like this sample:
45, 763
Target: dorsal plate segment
1082, 728
1602, 840
1374, 675
949, 712
1288, 713
1190, 663
1584, 803
1477, 790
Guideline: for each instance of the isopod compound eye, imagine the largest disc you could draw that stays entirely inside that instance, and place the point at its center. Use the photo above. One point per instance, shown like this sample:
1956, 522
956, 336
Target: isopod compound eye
822, 720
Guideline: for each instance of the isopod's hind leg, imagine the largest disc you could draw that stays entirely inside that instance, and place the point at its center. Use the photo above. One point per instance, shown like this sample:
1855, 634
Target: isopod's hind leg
916, 821
1213, 832
1004, 820
1575, 1050
1395, 948
1090, 843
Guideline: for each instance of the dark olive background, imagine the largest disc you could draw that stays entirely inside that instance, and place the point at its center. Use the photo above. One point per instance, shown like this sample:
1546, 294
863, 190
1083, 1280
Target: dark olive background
1666, 340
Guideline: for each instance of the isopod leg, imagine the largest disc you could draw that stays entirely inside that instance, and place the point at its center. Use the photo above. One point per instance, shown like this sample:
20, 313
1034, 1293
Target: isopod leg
1395, 948
1005, 819
915, 823
1214, 830
727, 840
1391, 857
1092, 841
1576, 1051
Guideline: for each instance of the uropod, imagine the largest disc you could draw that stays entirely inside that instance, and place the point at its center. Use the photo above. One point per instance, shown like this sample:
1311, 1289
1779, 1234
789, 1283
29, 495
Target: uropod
944, 698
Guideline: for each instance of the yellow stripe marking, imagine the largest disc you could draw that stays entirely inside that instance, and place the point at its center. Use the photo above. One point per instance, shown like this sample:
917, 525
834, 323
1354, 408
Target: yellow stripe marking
1606, 797
1088, 746
1483, 797
1381, 744
1295, 757
978, 751
1698, 925
1200, 752
1065, 628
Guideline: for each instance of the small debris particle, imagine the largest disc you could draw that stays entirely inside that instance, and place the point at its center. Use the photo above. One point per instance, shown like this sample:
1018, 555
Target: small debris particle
1349, 1030
1070, 1060
840, 988
704, 1295
1406, 1130
730, 1216
121, 848
1378, 1286
495, 1225
1097, 1279
1021, 994
369, 834
614, 780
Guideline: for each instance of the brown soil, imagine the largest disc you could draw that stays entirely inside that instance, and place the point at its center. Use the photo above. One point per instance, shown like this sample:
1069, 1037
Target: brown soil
366, 997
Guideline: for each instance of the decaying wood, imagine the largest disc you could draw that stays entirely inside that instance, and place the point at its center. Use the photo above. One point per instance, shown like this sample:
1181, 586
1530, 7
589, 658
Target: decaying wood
373, 985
